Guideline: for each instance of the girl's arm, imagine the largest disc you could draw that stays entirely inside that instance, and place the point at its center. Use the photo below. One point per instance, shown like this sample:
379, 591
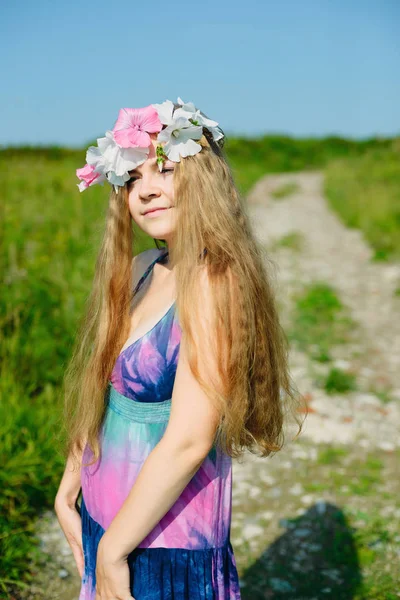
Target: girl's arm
70, 484
172, 463
67, 513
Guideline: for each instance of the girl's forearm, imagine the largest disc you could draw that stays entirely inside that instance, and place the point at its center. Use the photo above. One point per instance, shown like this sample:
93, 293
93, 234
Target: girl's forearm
163, 477
70, 484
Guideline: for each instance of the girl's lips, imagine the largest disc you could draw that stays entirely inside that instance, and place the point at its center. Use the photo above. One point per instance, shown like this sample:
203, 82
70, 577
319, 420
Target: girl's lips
155, 213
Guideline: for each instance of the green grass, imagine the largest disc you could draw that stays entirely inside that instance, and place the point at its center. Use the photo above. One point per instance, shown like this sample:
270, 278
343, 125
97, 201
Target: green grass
339, 381
30, 471
365, 192
375, 537
384, 395
251, 158
285, 190
293, 240
331, 455
319, 321
361, 477
349, 549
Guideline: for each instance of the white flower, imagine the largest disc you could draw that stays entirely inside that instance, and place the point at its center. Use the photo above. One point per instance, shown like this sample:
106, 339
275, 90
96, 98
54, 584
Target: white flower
189, 111
115, 179
113, 161
179, 134
165, 111
179, 137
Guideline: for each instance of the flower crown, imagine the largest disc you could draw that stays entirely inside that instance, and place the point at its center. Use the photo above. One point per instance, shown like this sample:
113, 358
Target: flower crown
126, 146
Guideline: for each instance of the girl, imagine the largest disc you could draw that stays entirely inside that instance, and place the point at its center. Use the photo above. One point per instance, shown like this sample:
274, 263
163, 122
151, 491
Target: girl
180, 366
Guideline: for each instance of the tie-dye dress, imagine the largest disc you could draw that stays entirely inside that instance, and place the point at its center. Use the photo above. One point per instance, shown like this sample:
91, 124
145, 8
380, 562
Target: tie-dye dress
188, 555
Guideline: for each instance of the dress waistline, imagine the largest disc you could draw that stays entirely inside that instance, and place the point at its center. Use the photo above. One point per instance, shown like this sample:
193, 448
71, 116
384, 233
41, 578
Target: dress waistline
133, 410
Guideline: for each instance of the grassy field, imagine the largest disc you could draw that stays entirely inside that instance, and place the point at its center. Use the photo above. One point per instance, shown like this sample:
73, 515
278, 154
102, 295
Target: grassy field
365, 192
252, 158
49, 233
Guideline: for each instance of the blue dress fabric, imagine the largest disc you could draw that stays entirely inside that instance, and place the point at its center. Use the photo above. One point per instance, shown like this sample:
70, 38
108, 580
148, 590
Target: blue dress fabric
188, 555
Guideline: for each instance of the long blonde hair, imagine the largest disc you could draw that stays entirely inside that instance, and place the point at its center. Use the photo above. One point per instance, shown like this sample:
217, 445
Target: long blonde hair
252, 349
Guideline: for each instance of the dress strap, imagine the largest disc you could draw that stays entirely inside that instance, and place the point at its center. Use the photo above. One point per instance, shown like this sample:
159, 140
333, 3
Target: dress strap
159, 258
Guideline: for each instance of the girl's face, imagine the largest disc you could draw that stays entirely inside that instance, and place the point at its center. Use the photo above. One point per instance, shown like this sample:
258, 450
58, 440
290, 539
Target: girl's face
149, 189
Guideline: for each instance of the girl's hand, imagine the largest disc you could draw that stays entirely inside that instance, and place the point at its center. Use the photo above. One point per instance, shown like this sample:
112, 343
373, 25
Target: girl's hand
112, 575
71, 524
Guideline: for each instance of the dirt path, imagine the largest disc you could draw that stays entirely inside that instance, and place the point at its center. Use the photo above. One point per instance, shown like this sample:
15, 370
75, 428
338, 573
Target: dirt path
336, 255
338, 481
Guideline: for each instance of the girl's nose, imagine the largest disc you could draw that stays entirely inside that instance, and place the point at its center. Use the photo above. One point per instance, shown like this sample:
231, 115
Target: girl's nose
148, 187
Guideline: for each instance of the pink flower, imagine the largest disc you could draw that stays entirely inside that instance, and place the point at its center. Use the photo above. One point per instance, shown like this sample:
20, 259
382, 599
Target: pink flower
88, 176
133, 126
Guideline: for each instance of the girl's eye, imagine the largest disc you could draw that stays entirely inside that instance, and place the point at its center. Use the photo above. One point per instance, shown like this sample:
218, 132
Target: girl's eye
133, 179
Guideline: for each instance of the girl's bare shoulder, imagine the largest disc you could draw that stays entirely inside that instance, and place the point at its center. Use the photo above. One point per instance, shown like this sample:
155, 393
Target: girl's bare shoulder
141, 261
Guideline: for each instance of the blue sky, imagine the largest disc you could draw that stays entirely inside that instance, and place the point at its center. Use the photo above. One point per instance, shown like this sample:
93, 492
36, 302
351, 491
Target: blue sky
300, 67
